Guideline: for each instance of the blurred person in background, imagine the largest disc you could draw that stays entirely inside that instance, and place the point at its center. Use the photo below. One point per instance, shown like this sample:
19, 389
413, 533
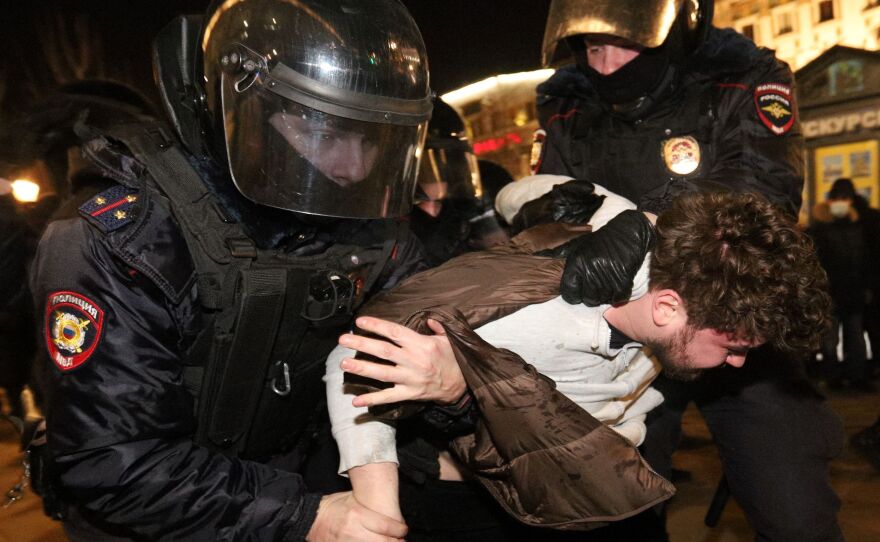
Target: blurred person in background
870, 219
17, 330
867, 441
839, 234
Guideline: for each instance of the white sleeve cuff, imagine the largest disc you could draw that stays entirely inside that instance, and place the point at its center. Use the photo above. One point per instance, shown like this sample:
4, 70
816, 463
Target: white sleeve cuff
361, 438
369, 442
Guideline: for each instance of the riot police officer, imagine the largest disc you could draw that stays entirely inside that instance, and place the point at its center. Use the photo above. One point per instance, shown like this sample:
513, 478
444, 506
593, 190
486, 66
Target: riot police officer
449, 216
657, 103
445, 199
187, 309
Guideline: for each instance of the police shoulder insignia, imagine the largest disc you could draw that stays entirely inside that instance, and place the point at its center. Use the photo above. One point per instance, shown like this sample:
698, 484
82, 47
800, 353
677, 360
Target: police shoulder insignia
773, 102
112, 208
681, 155
72, 328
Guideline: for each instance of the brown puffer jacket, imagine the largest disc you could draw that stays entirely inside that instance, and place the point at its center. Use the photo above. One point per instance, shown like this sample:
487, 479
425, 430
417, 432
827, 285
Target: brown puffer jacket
545, 460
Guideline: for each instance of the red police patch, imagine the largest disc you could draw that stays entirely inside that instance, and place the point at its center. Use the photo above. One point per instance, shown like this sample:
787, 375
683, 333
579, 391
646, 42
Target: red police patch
774, 105
73, 329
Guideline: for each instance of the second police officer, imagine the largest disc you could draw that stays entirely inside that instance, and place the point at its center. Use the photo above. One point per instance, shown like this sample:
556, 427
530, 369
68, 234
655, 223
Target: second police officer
658, 103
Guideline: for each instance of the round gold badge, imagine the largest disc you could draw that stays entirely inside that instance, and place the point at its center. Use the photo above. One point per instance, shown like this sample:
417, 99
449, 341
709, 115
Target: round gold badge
681, 154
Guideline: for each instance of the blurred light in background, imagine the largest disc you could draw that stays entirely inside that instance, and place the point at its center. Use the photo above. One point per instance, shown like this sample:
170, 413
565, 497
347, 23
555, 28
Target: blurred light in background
23, 190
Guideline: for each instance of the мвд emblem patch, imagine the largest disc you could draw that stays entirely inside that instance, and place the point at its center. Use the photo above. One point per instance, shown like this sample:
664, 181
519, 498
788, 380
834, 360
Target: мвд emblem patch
73, 329
774, 105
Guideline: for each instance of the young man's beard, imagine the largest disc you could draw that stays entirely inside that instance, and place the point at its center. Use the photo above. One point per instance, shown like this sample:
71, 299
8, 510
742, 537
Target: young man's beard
672, 355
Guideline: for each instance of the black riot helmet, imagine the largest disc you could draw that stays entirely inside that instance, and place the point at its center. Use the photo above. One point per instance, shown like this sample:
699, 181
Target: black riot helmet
319, 106
449, 167
682, 25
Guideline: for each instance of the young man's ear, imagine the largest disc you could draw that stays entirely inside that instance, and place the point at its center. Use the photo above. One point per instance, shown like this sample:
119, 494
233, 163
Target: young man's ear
667, 308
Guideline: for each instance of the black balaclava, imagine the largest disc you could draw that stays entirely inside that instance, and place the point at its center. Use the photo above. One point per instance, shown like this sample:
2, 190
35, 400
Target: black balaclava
632, 90
637, 78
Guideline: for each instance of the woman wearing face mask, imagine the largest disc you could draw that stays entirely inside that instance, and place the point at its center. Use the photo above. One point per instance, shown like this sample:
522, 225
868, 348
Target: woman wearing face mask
840, 241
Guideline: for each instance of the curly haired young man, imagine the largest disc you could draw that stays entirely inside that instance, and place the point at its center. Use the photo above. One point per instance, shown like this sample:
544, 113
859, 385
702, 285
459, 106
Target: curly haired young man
729, 272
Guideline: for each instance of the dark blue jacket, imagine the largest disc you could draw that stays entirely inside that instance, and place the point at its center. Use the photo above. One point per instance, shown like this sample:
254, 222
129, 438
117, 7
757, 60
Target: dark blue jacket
117, 296
737, 101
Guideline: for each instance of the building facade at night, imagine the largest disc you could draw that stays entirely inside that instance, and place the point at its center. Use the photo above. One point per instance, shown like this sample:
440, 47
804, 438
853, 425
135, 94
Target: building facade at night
839, 102
800, 30
499, 113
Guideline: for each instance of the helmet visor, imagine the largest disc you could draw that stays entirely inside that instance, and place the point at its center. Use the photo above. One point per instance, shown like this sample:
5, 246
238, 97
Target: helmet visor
448, 172
287, 155
645, 22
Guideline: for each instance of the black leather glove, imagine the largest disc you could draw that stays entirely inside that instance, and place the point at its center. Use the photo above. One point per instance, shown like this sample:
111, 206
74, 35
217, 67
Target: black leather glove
573, 202
453, 420
600, 266
39, 469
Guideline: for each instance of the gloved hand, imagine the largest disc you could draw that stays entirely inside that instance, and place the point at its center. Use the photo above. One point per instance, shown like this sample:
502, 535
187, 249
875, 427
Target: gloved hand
573, 202
600, 266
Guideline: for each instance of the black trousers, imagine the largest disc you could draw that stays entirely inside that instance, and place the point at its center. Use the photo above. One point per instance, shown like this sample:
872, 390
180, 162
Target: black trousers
440, 511
775, 435
853, 366
437, 511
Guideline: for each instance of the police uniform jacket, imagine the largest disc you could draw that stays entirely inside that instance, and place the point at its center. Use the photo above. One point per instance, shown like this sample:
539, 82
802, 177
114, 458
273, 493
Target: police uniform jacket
118, 297
728, 118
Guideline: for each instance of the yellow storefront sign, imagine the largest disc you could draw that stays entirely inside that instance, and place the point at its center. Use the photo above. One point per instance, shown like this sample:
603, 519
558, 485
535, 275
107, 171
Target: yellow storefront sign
858, 161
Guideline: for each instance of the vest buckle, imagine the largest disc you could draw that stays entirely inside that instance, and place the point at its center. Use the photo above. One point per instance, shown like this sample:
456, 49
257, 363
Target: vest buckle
282, 389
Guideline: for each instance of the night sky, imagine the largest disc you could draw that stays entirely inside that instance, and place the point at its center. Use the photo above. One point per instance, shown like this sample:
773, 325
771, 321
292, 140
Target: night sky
467, 40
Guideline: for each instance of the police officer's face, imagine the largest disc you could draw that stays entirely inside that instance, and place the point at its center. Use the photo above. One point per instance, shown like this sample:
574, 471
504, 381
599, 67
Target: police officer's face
345, 157
607, 54
432, 203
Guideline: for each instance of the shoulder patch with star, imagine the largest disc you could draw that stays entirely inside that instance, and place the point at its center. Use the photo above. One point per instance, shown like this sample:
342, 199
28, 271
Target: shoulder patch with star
773, 102
72, 328
111, 209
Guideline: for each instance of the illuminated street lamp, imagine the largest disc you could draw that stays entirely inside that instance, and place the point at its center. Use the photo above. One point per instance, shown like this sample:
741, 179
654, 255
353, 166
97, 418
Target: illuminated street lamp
23, 190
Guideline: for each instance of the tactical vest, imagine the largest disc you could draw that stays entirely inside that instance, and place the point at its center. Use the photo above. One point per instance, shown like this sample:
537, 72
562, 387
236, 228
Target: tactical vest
272, 318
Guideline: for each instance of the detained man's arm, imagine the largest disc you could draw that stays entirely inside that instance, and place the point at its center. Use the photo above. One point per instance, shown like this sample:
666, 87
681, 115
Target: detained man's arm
361, 438
425, 368
367, 447
375, 485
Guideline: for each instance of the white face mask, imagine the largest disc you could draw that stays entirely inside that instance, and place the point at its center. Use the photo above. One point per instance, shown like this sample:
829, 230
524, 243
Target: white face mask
838, 208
